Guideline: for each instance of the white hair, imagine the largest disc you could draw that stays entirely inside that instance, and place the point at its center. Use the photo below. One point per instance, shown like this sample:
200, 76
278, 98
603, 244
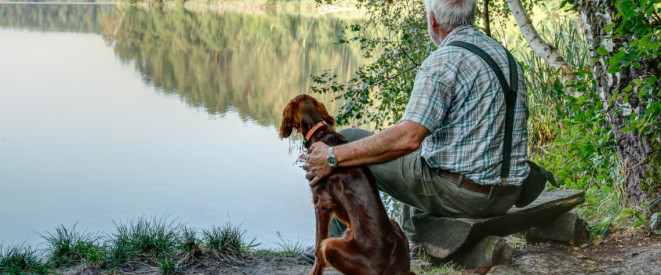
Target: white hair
451, 13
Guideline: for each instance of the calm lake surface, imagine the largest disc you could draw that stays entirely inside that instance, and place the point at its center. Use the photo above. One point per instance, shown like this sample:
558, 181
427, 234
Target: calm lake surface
108, 114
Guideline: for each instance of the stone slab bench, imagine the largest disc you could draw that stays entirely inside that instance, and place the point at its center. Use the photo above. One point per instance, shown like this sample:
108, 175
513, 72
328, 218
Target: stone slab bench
479, 242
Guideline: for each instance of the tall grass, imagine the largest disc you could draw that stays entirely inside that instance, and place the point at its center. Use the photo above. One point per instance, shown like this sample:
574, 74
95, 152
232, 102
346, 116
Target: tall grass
289, 248
67, 246
189, 242
226, 241
144, 237
548, 97
21, 259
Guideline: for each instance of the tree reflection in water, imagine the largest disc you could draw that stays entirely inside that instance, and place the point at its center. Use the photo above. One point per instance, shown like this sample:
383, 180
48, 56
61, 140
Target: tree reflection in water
251, 62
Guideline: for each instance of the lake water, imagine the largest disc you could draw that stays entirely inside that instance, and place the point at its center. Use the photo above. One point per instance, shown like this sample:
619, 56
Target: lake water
108, 114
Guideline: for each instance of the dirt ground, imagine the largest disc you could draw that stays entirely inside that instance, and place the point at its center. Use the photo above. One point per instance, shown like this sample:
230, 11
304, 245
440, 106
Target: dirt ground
616, 254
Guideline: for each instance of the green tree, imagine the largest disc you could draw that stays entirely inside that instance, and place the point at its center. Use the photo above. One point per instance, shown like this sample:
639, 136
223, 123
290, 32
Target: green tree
624, 38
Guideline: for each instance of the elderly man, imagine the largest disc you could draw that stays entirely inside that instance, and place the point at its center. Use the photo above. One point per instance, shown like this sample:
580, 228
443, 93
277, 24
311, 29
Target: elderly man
444, 157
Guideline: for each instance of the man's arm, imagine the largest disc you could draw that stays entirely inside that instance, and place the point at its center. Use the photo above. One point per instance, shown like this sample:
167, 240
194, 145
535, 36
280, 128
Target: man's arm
396, 141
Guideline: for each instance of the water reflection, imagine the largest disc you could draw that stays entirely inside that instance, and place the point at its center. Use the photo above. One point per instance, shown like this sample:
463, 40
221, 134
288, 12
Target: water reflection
254, 62
59, 18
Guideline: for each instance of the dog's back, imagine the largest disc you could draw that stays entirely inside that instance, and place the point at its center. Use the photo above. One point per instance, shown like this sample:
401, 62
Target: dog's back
356, 202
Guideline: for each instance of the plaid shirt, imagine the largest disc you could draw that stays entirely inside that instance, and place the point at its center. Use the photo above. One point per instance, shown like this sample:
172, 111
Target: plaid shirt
458, 98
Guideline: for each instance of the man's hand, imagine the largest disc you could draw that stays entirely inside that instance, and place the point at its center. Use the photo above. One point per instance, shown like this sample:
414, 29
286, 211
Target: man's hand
316, 165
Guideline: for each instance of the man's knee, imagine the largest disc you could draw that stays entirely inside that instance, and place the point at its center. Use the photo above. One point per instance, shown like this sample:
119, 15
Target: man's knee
353, 134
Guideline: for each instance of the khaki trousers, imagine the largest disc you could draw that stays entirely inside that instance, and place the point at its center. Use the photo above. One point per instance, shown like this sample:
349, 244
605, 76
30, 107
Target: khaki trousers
423, 190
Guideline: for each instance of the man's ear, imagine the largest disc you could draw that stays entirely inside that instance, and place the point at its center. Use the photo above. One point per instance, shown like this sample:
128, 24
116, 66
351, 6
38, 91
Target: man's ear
432, 21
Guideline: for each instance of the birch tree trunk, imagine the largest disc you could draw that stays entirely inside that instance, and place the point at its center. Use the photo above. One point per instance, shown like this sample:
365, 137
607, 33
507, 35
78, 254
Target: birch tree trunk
538, 45
634, 149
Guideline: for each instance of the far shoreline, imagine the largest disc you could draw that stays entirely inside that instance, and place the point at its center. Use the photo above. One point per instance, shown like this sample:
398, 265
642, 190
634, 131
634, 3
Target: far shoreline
346, 10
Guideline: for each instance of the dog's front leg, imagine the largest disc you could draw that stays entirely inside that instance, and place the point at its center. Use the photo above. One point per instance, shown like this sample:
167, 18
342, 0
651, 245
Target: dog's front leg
323, 216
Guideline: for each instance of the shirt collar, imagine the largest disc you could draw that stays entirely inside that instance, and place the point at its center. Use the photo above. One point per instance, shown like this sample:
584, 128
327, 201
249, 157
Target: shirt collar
454, 34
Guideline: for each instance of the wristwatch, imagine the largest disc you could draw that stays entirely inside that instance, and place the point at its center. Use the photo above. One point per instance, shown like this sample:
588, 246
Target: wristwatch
330, 159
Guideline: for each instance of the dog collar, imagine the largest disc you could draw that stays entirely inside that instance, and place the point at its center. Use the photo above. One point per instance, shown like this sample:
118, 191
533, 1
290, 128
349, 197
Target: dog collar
311, 132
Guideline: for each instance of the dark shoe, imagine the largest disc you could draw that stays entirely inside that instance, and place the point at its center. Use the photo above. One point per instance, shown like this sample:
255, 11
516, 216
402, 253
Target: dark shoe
308, 254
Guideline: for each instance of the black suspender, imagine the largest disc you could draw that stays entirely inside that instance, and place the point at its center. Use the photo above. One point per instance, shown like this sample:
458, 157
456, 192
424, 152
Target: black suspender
510, 98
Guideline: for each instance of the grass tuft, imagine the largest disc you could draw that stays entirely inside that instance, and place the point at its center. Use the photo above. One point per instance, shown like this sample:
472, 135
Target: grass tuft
144, 237
188, 241
167, 266
289, 248
227, 240
21, 259
443, 269
67, 247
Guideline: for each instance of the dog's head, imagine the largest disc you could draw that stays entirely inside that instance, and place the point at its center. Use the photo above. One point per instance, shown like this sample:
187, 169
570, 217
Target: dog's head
302, 113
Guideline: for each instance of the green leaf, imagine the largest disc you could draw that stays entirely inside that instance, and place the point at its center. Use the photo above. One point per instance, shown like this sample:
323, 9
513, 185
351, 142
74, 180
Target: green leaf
564, 3
651, 80
609, 27
638, 82
613, 69
602, 51
628, 88
626, 212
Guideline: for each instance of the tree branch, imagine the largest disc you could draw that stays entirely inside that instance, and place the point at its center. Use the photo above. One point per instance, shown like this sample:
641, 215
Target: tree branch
395, 76
408, 56
538, 45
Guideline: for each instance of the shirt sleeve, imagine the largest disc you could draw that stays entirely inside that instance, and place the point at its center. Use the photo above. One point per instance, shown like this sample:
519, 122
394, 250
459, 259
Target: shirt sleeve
429, 99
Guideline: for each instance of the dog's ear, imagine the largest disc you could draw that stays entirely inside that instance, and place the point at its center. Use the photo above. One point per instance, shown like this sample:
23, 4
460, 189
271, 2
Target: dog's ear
288, 119
321, 109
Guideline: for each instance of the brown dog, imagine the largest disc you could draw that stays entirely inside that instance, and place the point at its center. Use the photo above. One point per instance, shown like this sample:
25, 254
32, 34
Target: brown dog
373, 243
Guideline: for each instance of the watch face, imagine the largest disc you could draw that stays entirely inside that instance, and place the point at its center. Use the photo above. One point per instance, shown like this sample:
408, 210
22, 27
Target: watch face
331, 161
